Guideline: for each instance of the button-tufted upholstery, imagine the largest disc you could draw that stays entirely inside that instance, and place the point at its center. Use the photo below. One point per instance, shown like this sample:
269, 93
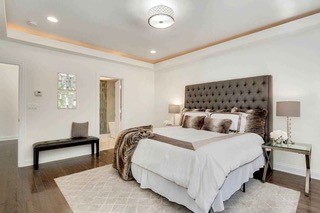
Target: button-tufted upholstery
245, 93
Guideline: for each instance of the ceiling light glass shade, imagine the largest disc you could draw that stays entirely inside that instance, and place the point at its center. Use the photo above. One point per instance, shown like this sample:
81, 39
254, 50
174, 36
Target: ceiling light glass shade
161, 16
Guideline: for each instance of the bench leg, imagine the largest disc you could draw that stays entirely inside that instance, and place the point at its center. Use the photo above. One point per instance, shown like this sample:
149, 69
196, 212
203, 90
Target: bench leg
35, 159
97, 149
92, 148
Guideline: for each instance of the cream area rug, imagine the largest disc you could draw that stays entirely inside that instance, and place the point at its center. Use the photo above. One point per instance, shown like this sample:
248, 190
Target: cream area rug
102, 190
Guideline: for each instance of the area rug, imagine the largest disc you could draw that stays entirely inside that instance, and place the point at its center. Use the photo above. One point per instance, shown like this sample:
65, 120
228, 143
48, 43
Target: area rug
102, 190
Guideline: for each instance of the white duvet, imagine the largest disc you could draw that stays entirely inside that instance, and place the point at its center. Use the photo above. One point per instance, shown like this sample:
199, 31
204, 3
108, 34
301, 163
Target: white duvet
203, 171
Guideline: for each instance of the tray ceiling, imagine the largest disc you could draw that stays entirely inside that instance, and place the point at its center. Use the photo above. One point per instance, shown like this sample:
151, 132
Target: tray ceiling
121, 27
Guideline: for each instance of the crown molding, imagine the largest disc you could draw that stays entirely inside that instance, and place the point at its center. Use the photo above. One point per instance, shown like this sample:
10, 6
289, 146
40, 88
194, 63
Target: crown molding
280, 30
12, 27
23, 35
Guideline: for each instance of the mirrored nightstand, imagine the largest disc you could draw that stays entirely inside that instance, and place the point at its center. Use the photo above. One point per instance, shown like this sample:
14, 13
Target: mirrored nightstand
299, 148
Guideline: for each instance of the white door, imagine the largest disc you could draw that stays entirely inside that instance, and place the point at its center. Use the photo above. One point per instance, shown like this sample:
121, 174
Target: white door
117, 101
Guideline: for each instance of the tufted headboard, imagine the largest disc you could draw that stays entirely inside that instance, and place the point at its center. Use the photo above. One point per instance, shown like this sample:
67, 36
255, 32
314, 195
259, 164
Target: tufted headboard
244, 93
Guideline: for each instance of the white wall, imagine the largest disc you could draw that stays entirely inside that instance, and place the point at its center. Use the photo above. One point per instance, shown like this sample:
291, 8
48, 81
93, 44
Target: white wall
9, 75
40, 67
294, 62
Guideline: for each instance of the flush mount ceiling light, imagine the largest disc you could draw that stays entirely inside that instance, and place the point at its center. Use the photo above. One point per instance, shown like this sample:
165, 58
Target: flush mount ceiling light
161, 16
153, 51
52, 19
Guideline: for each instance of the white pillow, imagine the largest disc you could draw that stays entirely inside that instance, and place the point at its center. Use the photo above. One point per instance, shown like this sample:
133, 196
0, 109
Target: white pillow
239, 120
243, 122
197, 113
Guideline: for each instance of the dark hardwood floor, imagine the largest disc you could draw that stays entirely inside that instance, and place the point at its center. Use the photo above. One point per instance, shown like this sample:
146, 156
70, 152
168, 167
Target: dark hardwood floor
26, 190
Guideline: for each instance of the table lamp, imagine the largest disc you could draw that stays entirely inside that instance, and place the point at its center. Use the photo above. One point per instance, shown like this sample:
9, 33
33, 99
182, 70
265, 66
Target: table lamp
288, 109
174, 109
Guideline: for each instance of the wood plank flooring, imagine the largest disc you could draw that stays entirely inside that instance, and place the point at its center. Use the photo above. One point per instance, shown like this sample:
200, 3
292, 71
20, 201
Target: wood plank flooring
26, 190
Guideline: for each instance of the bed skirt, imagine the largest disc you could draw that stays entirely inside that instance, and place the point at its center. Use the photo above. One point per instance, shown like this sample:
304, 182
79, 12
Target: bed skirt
178, 194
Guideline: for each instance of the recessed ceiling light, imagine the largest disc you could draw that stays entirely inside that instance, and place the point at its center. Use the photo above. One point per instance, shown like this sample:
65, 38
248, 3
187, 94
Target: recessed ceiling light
32, 23
52, 19
161, 16
153, 51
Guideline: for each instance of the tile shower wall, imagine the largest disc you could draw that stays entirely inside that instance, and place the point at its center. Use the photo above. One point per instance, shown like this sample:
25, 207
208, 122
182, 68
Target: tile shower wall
107, 105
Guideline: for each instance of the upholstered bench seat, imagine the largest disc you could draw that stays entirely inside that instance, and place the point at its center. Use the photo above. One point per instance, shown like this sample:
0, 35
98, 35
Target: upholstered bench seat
63, 143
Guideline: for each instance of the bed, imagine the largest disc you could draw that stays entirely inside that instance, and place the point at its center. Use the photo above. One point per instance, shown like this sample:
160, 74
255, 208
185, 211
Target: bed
204, 178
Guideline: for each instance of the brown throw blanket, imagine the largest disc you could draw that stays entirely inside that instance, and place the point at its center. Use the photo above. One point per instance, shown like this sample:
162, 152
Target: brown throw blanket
126, 143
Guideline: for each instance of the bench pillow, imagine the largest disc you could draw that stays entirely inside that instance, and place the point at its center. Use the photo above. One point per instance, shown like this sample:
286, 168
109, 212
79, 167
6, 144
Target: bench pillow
79, 130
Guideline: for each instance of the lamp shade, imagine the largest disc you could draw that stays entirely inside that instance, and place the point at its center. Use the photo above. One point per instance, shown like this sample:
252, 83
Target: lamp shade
288, 108
174, 108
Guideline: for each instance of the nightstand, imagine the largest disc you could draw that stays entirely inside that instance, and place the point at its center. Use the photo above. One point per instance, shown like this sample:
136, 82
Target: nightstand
299, 148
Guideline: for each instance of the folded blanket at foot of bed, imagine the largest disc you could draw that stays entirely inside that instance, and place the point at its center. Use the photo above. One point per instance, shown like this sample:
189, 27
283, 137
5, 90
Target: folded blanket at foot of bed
126, 143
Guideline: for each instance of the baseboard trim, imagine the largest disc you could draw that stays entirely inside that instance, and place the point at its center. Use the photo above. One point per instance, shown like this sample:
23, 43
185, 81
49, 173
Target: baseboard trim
315, 174
8, 138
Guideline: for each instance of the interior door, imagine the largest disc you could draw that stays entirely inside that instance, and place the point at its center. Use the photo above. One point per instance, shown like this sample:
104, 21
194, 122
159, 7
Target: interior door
118, 105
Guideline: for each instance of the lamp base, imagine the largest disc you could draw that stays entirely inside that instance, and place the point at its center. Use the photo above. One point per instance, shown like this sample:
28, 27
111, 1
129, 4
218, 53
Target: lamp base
289, 141
173, 119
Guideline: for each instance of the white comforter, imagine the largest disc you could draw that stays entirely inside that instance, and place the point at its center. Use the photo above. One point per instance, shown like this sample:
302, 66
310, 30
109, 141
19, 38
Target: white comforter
203, 171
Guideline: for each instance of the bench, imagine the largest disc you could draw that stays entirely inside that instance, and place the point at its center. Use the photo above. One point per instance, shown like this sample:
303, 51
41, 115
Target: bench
57, 144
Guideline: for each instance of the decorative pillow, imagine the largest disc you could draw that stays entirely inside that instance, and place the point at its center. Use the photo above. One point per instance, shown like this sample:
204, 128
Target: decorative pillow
217, 125
256, 120
79, 130
195, 122
238, 120
192, 112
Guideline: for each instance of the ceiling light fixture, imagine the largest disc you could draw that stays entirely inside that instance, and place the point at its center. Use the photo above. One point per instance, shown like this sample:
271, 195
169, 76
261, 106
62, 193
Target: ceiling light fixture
52, 19
153, 51
161, 16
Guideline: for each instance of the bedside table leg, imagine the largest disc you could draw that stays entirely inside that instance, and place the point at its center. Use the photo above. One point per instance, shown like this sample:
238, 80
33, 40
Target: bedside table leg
266, 165
308, 176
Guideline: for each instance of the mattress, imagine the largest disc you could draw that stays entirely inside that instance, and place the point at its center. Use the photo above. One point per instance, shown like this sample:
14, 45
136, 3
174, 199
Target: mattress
178, 194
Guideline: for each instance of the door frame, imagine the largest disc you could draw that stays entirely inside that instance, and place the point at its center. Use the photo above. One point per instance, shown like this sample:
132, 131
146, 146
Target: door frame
98, 76
21, 109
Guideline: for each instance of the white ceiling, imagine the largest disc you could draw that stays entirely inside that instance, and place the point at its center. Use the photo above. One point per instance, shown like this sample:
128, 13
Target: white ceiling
122, 25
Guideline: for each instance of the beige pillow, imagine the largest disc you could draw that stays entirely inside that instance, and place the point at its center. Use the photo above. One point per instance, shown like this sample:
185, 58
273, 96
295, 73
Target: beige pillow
195, 122
79, 130
217, 125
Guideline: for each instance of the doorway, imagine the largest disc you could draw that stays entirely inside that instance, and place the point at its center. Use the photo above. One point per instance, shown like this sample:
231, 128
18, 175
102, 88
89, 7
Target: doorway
9, 102
110, 111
